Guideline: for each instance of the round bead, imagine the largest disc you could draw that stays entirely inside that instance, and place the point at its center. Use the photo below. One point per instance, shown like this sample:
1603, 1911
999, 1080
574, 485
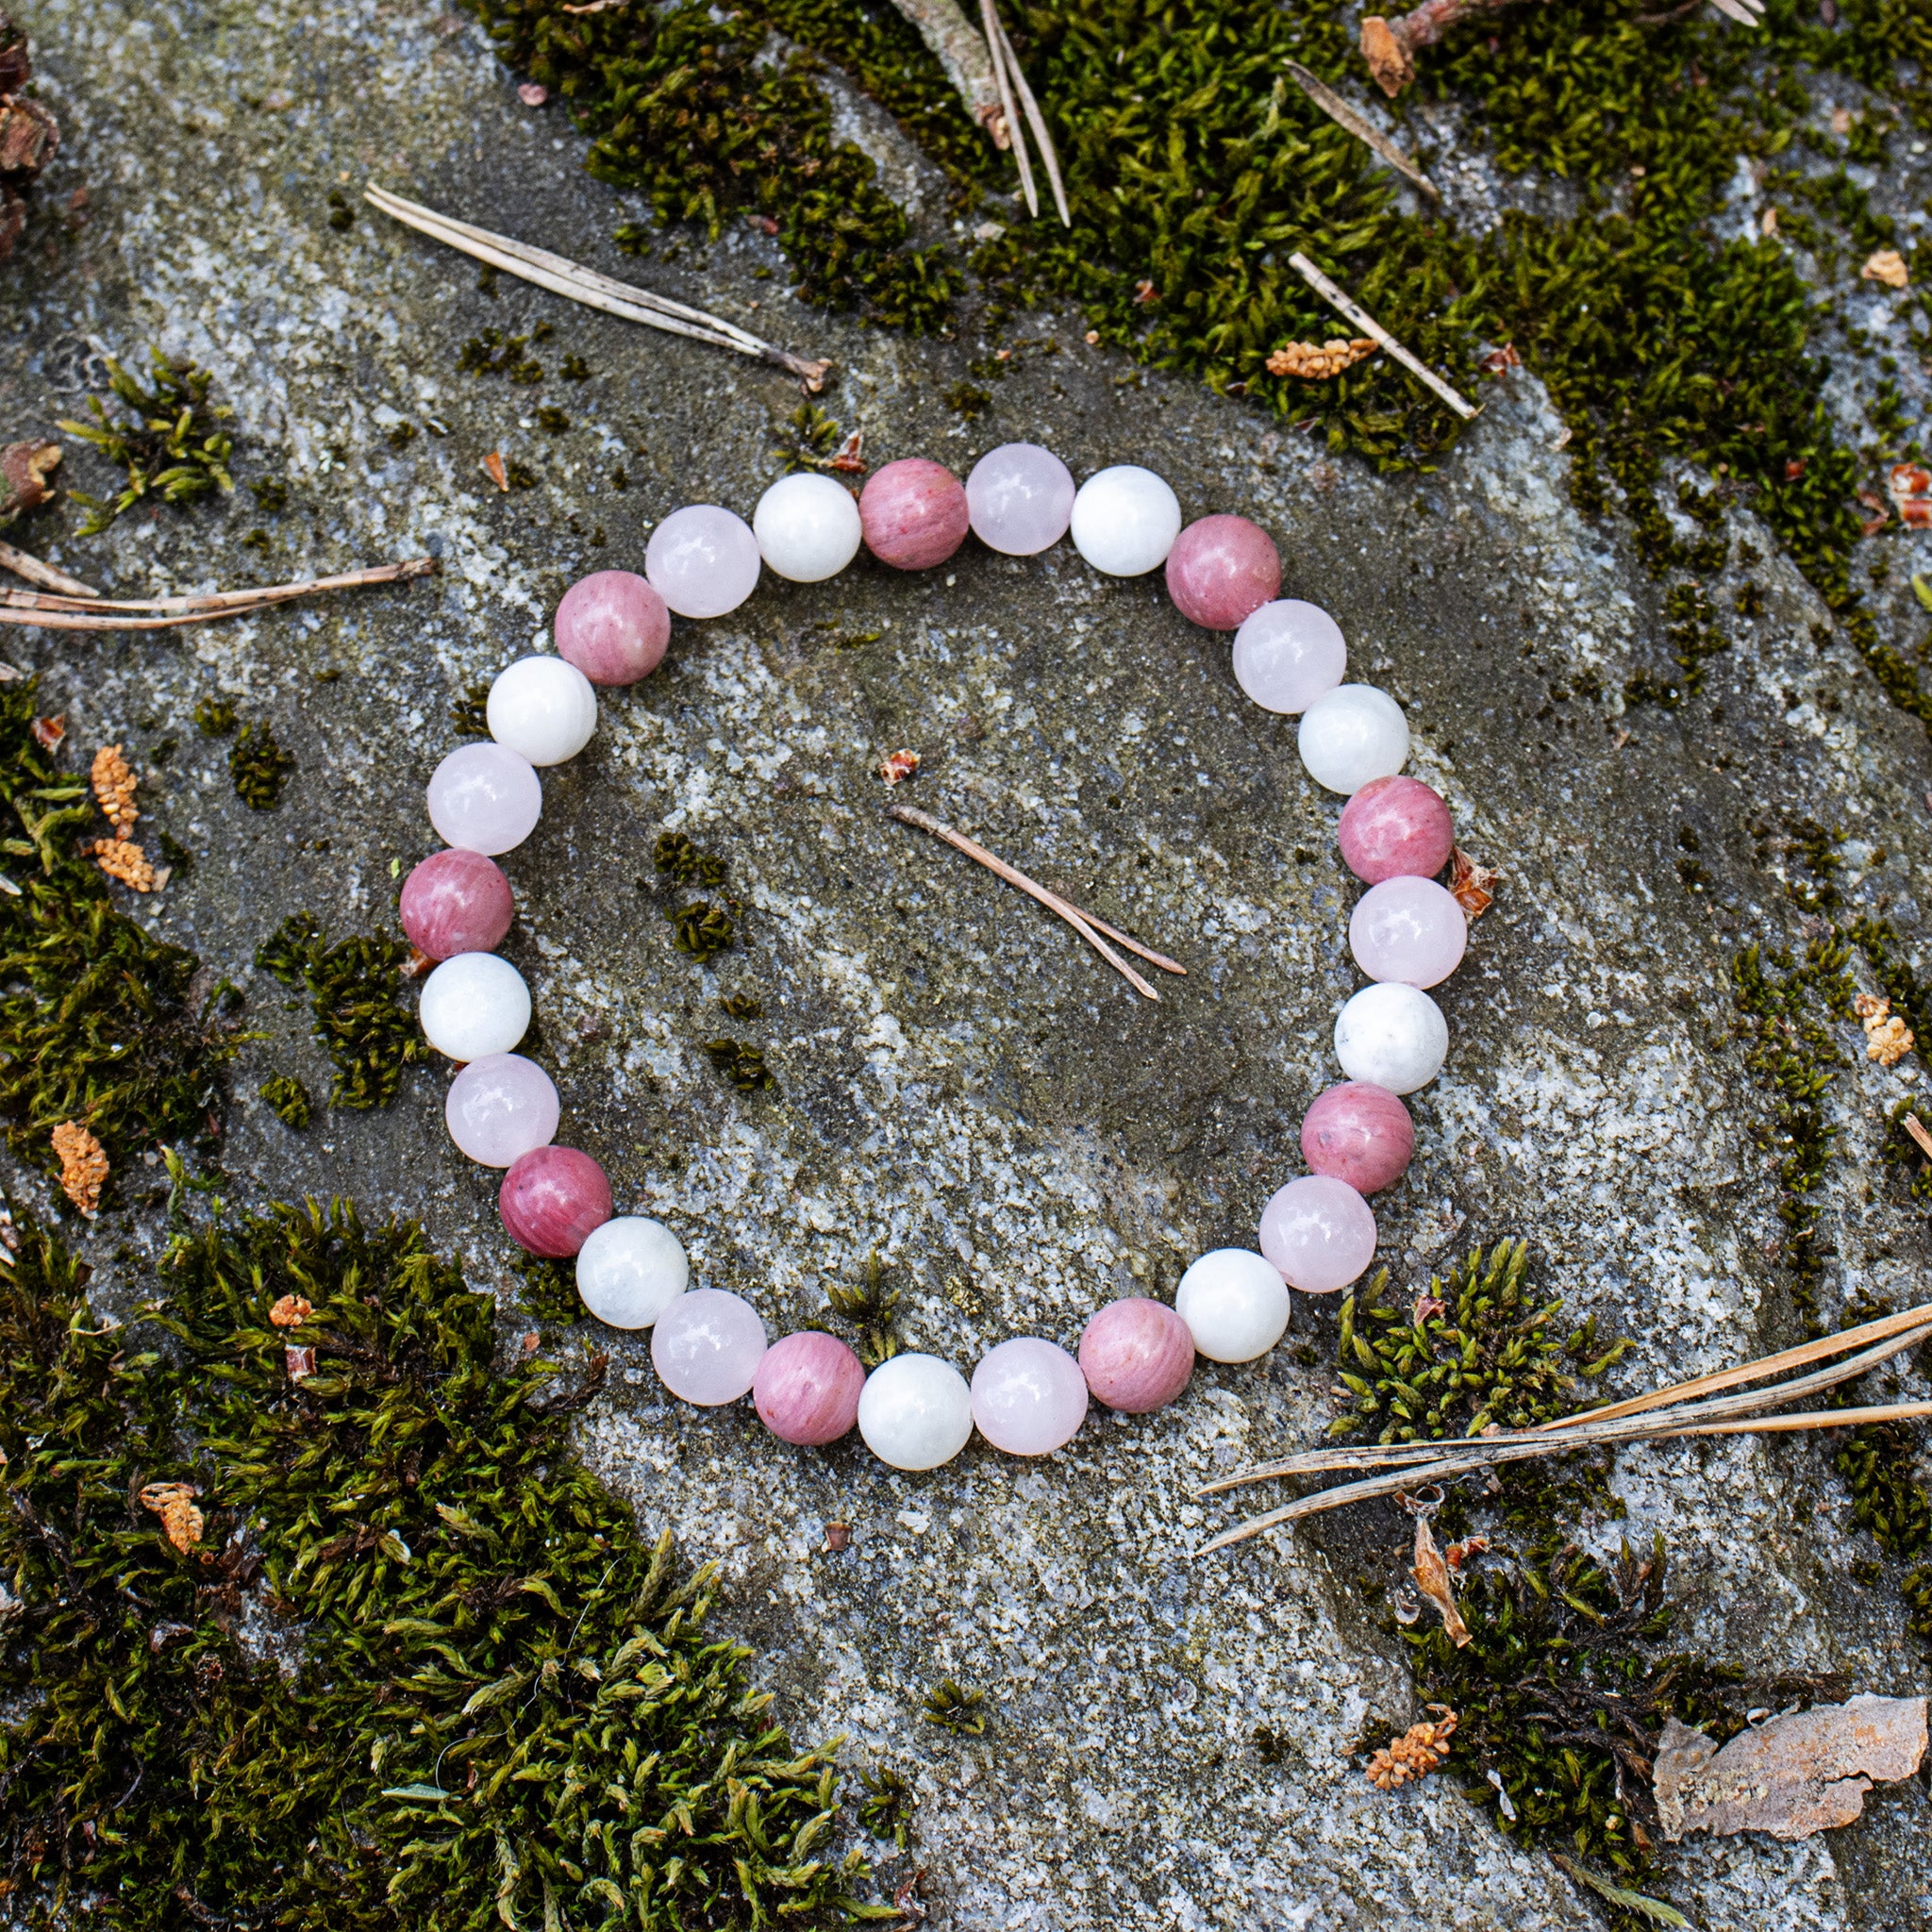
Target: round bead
808, 1387
703, 560
914, 513
1029, 1398
1221, 571
1392, 1036
485, 799
630, 1270
1395, 828
1354, 735
915, 1411
473, 1005
612, 626
1287, 654
501, 1107
1126, 520
551, 1199
455, 902
1319, 1232
1019, 498
1235, 1305
807, 529
1408, 929
1137, 1355
1360, 1134
706, 1346
542, 709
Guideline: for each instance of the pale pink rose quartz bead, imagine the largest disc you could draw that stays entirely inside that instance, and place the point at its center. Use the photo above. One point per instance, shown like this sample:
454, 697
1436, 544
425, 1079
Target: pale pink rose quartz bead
913, 513
1029, 1398
1409, 929
807, 1388
706, 1346
613, 626
1019, 498
1360, 1134
1319, 1232
1395, 828
1137, 1355
1222, 570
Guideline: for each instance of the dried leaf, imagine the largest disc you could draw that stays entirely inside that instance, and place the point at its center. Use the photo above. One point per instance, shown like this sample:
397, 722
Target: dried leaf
897, 766
1387, 57
1887, 266
1472, 884
1432, 1579
1910, 487
48, 732
1804, 1772
498, 475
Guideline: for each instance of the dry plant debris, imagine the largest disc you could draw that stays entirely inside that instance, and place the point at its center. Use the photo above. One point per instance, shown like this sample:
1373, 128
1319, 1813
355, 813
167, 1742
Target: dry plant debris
28, 135
1888, 1039
115, 783
1473, 886
83, 1165
174, 1502
1432, 1578
1317, 362
897, 766
27, 477
1418, 1751
290, 1312
1911, 493
1802, 1773
123, 860
1886, 265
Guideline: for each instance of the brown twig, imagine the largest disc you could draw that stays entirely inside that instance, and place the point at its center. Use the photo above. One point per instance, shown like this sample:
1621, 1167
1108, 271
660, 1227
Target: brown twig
1084, 923
1330, 293
948, 34
1916, 1129
44, 575
50, 612
1339, 111
990, 26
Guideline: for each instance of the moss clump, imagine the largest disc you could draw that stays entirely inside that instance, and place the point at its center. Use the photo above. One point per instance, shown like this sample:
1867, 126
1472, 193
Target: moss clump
956, 1707
259, 767
353, 987
685, 864
500, 1706
873, 1308
702, 929
288, 1100
743, 1064
215, 717
168, 439
497, 353
469, 712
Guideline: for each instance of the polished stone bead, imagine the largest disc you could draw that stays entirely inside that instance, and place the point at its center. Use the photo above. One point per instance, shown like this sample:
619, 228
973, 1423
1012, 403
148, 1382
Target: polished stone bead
915, 1411
1359, 1134
703, 560
1409, 929
1221, 571
1019, 498
542, 708
1287, 654
706, 1346
612, 626
914, 513
455, 901
551, 1199
1030, 1397
1137, 1355
630, 1270
499, 1107
485, 799
1319, 1232
808, 1388
1351, 737
1126, 520
807, 529
1235, 1304
1392, 1036
1396, 827
475, 1004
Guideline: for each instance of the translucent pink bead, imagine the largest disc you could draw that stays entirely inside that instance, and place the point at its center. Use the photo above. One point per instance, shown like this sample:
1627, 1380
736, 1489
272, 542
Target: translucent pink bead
807, 1388
1221, 570
550, 1200
1029, 1398
1137, 1355
612, 626
1019, 498
1395, 829
1287, 654
1319, 1232
703, 560
1360, 1134
500, 1107
1408, 929
708, 1345
455, 902
913, 513
485, 798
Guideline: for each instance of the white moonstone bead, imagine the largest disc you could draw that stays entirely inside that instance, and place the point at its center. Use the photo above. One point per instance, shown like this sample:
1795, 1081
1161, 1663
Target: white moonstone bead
630, 1270
1392, 1036
1353, 734
807, 529
1235, 1304
1126, 520
915, 1411
475, 1004
543, 709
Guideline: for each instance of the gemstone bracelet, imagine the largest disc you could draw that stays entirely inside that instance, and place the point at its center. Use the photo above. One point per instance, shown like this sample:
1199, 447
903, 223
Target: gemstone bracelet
1028, 1397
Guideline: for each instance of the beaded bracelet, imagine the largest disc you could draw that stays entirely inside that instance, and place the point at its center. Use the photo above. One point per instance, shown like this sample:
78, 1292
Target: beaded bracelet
1028, 1397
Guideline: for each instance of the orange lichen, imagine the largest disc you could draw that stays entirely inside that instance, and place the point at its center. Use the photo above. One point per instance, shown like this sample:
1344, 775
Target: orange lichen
114, 782
174, 1502
1317, 361
1415, 1754
289, 1312
83, 1165
125, 862
1888, 1039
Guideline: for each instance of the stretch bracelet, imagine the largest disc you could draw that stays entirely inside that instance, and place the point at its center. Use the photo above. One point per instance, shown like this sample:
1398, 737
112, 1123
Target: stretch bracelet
1028, 1397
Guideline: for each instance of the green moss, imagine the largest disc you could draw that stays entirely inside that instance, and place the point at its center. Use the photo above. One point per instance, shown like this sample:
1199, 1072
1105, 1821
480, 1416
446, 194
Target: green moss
259, 767
742, 1064
702, 929
956, 1707
167, 440
497, 353
289, 1100
873, 1308
469, 711
685, 864
215, 717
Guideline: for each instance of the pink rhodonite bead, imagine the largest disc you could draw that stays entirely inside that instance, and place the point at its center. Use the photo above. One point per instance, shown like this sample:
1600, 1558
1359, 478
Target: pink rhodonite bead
1359, 1134
457, 901
1137, 1355
1221, 570
807, 1388
613, 626
1319, 1232
1395, 828
552, 1200
913, 513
